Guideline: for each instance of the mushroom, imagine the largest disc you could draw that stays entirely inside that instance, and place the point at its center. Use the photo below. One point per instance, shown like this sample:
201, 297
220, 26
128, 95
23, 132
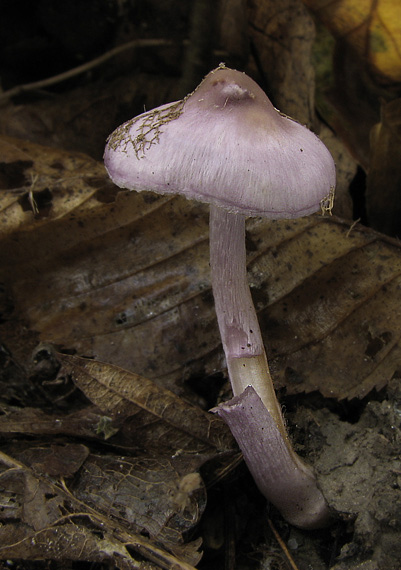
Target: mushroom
225, 144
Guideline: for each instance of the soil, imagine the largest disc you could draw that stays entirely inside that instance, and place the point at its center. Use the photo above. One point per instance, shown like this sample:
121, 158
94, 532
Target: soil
359, 470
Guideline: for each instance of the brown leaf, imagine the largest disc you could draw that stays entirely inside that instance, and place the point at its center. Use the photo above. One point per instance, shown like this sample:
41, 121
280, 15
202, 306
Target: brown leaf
159, 421
77, 187
336, 328
341, 77
126, 264
56, 460
89, 422
38, 511
130, 285
71, 542
71, 119
282, 34
31, 175
145, 493
383, 199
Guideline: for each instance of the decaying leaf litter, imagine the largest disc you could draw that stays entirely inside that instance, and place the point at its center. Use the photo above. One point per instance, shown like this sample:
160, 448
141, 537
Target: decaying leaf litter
332, 291
125, 293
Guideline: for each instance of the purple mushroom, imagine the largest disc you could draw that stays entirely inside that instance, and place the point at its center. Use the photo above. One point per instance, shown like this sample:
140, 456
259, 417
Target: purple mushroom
225, 144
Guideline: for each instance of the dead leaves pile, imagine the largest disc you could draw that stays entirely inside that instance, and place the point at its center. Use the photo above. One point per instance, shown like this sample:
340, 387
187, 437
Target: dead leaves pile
130, 489
61, 501
124, 278
42, 518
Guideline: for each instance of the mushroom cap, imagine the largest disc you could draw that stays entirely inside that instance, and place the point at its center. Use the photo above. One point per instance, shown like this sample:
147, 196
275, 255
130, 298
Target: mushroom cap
224, 144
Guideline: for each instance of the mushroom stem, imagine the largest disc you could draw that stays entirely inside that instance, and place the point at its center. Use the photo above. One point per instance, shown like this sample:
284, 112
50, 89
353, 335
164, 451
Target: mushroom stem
254, 415
238, 323
279, 473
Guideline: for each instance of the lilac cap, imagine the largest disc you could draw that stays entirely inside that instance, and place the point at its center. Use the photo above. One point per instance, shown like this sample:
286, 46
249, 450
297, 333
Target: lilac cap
224, 144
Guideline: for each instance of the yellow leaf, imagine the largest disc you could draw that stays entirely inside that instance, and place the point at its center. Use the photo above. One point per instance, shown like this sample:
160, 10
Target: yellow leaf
371, 28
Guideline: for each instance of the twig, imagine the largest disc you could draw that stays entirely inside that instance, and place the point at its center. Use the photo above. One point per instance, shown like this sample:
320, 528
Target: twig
31, 198
81, 68
352, 226
282, 545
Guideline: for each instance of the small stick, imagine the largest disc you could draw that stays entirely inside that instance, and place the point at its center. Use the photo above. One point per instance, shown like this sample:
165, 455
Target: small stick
352, 226
282, 545
81, 68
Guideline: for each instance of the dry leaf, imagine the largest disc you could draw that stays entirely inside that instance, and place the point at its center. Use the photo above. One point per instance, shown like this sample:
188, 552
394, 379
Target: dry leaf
358, 66
44, 517
75, 186
56, 460
145, 494
162, 496
371, 28
155, 419
72, 542
282, 34
86, 423
383, 199
129, 284
332, 322
81, 119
